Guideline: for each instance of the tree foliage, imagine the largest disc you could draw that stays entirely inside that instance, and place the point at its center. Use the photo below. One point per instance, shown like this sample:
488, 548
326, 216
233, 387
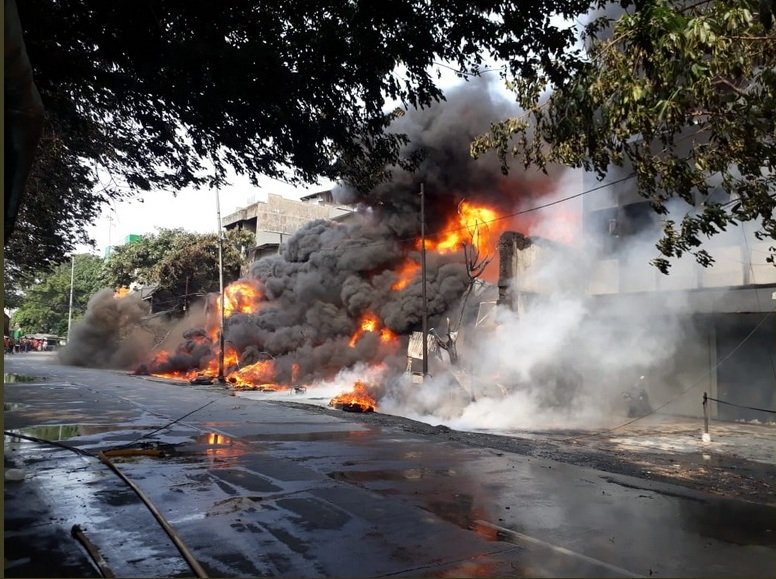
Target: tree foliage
45, 305
681, 93
143, 94
60, 201
181, 265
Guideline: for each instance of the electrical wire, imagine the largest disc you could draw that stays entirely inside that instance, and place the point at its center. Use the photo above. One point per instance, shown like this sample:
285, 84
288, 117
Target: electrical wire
694, 384
166, 426
485, 222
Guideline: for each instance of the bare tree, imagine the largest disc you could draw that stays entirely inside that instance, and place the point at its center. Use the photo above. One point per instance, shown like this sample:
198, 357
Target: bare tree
475, 262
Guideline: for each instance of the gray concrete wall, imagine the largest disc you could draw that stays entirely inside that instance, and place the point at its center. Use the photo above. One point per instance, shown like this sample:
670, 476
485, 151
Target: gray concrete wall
277, 218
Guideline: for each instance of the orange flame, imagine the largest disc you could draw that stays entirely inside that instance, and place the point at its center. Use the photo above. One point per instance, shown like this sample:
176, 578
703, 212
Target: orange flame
387, 336
231, 360
160, 359
369, 323
178, 375
121, 292
258, 376
357, 399
406, 274
242, 296
474, 225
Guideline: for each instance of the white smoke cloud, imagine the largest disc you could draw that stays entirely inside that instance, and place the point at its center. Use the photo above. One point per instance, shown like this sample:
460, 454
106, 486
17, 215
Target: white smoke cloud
564, 358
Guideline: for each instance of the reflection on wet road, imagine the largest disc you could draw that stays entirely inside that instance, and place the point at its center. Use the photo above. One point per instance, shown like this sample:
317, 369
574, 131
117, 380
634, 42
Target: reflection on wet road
254, 488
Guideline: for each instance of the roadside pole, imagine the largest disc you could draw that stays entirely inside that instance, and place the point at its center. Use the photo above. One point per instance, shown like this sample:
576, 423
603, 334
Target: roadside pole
220, 376
70, 309
424, 308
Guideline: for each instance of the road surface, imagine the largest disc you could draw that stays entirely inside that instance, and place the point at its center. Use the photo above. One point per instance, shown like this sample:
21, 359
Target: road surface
258, 488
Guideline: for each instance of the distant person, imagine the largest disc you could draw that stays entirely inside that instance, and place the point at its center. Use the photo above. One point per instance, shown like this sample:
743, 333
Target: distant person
638, 399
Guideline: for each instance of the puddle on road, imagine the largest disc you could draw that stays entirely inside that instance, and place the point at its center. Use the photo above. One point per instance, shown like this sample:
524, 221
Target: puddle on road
210, 444
11, 378
755, 524
214, 439
62, 431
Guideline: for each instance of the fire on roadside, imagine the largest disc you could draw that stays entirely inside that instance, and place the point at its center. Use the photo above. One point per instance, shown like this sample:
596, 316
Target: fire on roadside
475, 225
357, 400
258, 376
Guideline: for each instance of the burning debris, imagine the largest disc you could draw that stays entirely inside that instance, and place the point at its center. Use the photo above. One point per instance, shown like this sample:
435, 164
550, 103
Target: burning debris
357, 400
349, 293
201, 380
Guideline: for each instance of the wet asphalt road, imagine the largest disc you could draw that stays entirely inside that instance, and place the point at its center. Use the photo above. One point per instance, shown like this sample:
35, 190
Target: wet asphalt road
255, 488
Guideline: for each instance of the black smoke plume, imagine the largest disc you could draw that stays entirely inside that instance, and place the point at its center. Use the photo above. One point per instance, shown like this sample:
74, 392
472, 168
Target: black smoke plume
110, 335
331, 273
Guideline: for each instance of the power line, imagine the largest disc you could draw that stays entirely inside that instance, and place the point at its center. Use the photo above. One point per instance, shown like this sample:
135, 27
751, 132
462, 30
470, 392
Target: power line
501, 217
683, 392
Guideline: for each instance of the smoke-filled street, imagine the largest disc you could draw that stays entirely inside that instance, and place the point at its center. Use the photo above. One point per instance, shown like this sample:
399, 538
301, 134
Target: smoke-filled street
443, 289
254, 487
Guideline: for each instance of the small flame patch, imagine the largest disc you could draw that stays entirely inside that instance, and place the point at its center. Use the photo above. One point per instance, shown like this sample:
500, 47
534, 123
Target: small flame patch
357, 400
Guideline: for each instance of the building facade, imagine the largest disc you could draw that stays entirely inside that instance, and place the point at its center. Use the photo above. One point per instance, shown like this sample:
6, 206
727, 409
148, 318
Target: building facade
720, 322
273, 221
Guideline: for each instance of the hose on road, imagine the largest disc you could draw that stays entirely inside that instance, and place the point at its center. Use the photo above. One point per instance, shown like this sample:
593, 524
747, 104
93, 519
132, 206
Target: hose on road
184, 551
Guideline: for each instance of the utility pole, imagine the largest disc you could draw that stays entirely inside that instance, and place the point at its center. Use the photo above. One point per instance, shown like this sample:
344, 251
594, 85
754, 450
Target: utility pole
220, 376
70, 310
424, 308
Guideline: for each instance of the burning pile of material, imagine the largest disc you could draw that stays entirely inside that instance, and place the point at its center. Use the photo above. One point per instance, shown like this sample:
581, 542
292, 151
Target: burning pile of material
339, 295
349, 292
357, 400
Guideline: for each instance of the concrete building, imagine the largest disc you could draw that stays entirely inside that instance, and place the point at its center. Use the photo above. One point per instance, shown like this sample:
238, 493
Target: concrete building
273, 221
724, 312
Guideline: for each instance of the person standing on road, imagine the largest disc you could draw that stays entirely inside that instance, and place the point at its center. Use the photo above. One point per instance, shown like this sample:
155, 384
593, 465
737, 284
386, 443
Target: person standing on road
638, 399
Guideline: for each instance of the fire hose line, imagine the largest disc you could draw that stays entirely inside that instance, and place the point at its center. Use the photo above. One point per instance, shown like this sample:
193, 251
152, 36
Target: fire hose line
179, 544
193, 563
739, 405
91, 548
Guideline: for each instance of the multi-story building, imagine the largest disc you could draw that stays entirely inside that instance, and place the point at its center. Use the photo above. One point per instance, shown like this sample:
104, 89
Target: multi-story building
273, 221
721, 338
